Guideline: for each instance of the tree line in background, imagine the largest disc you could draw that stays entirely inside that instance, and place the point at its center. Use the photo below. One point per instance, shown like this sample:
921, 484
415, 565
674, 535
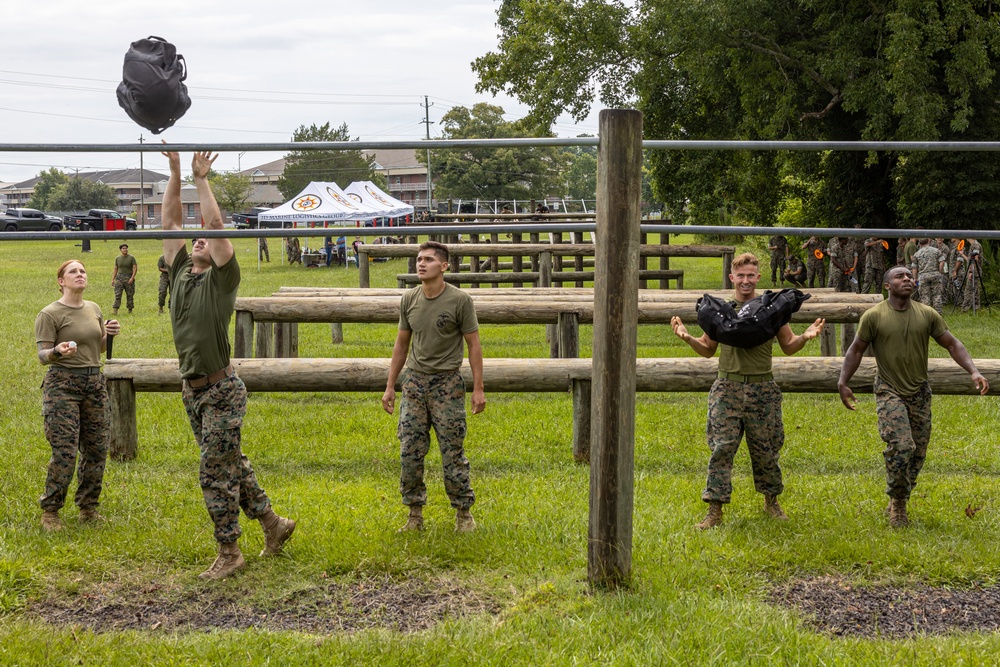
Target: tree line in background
57, 191
886, 70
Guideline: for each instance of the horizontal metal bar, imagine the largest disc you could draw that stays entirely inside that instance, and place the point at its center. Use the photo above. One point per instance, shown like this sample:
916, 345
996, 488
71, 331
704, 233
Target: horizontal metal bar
526, 142
541, 228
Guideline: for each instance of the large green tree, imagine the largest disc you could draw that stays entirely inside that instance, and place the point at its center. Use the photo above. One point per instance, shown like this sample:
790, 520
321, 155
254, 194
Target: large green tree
79, 194
47, 182
340, 167
232, 190
493, 173
917, 70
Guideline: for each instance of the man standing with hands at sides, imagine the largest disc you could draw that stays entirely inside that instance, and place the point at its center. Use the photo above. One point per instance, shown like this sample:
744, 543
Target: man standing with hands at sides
900, 329
744, 398
435, 317
123, 279
204, 286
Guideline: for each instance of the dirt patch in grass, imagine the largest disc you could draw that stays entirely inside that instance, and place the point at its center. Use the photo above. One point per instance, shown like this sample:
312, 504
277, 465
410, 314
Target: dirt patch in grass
843, 609
405, 606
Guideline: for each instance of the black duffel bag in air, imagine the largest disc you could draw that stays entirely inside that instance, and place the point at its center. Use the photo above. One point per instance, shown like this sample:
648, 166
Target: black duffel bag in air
152, 90
756, 322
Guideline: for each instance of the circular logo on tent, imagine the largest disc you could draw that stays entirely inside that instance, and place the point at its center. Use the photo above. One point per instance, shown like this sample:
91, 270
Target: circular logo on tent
338, 198
355, 197
307, 203
376, 195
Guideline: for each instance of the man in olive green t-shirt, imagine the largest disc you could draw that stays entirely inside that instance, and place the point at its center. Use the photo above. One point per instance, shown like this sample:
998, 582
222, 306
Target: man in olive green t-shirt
900, 330
123, 278
434, 320
744, 398
204, 284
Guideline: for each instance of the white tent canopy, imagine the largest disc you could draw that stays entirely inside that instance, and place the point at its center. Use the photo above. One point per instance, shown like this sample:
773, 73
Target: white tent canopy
368, 193
326, 202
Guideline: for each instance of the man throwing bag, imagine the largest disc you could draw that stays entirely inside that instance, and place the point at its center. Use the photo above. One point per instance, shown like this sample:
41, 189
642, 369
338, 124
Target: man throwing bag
203, 297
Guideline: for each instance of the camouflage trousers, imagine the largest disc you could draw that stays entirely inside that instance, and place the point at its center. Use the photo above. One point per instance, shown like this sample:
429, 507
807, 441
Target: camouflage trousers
123, 285
162, 289
735, 408
840, 281
904, 424
815, 270
778, 264
436, 400
77, 417
226, 476
872, 278
970, 292
932, 290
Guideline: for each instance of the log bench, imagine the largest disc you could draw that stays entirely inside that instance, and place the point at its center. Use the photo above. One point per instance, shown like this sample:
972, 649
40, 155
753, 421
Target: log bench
567, 316
127, 377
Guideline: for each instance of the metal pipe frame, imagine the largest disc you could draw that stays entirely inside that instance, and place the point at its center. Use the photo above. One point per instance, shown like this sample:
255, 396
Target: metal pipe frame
538, 228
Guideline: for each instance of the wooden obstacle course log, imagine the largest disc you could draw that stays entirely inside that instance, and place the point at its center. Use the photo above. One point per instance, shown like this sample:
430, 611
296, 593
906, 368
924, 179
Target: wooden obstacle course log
124, 431
455, 278
793, 374
817, 295
687, 374
500, 311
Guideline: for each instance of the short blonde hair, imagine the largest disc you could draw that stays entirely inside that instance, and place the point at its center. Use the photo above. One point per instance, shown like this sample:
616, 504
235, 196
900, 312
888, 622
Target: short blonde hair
747, 258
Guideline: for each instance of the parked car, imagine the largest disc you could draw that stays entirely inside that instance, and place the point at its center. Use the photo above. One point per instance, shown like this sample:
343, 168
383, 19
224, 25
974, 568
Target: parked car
100, 219
249, 219
29, 220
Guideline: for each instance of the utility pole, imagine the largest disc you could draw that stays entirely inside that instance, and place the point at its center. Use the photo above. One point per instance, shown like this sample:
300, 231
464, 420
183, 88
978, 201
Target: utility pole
427, 127
142, 188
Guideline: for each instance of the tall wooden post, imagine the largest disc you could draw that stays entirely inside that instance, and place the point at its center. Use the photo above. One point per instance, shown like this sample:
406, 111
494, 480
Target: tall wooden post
616, 311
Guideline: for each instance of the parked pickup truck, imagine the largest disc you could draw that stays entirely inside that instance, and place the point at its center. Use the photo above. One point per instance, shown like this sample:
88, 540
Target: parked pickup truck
29, 220
249, 219
100, 219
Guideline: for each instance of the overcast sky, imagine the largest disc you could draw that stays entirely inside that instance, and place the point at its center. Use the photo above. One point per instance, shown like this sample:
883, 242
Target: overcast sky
257, 71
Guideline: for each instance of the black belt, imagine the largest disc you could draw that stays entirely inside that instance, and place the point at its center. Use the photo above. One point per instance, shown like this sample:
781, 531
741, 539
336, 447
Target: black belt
200, 381
735, 377
80, 370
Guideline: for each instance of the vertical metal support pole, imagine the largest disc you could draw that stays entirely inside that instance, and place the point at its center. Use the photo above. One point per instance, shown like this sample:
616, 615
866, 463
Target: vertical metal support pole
616, 305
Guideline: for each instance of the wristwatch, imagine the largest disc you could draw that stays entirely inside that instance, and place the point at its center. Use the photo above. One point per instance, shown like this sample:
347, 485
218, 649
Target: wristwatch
56, 353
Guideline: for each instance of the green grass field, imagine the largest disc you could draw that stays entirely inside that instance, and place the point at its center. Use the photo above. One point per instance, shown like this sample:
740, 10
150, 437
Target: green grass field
351, 590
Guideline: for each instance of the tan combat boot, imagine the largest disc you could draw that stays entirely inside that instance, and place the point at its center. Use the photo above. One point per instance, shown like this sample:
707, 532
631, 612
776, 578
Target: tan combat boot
415, 520
773, 509
464, 523
114, 311
277, 530
897, 513
91, 515
713, 518
161, 310
51, 521
229, 560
